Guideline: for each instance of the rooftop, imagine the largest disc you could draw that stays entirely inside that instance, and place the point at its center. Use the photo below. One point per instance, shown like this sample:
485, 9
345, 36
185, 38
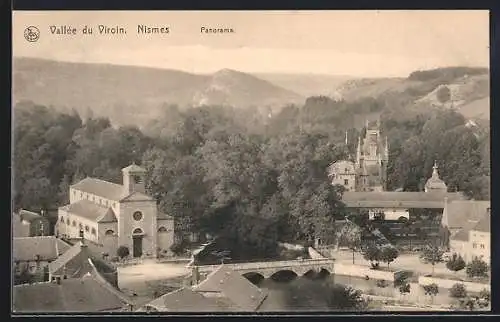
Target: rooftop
73, 263
398, 199
85, 294
29, 216
105, 189
234, 287
466, 215
89, 210
47, 247
133, 168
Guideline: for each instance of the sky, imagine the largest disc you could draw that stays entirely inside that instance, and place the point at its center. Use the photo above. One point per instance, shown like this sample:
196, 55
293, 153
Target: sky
353, 43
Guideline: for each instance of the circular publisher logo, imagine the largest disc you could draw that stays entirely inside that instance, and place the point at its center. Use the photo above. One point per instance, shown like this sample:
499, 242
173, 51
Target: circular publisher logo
32, 34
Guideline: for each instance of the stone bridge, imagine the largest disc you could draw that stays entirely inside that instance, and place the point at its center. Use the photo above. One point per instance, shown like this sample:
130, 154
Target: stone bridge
267, 269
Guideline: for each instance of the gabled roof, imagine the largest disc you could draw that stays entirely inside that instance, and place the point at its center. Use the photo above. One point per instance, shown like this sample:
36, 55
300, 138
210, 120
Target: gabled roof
234, 287
136, 196
105, 189
187, 300
89, 210
29, 216
133, 168
464, 213
47, 247
86, 294
73, 263
398, 199
484, 225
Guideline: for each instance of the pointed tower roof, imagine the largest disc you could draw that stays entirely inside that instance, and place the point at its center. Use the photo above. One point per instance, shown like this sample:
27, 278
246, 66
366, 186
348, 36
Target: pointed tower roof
435, 182
133, 168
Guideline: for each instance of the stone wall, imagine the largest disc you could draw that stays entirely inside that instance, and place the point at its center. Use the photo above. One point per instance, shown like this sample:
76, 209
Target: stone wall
363, 271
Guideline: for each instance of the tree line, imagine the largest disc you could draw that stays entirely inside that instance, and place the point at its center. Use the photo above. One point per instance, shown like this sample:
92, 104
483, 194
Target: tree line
242, 175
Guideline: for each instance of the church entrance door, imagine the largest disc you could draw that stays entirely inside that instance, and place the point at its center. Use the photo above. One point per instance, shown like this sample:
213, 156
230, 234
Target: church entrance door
137, 249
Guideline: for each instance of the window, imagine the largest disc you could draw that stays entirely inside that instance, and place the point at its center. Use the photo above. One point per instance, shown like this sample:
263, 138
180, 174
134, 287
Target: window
74, 223
67, 221
162, 230
137, 231
80, 226
87, 228
345, 170
109, 232
62, 220
346, 182
93, 231
137, 179
137, 215
474, 245
482, 246
333, 175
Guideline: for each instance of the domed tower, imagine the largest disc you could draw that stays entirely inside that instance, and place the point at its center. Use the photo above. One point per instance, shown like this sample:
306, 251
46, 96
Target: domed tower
435, 184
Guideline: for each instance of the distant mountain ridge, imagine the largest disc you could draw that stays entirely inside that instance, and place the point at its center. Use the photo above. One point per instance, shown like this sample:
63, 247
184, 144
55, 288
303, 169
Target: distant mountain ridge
130, 94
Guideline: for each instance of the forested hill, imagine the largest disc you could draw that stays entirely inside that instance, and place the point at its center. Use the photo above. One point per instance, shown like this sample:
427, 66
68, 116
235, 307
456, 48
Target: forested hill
467, 87
135, 95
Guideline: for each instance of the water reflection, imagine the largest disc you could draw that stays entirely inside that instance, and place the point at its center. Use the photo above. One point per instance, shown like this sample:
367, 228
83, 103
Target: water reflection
306, 291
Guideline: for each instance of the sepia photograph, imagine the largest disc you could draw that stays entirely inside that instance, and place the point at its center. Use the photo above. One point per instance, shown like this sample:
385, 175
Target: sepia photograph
250, 161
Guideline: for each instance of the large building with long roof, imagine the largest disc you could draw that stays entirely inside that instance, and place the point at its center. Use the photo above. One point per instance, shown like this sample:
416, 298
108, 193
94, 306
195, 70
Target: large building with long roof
112, 215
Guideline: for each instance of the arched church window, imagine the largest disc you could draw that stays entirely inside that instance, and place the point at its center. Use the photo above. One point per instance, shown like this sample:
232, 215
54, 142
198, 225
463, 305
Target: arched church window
162, 229
137, 215
80, 226
87, 228
137, 231
67, 221
74, 223
109, 232
62, 219
93, 231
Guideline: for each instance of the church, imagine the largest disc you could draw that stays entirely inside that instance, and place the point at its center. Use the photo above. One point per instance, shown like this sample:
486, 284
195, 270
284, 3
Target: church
112, 215
368, 172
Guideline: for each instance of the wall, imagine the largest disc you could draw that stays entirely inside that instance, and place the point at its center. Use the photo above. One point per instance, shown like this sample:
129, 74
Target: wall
362, 271
73, 231
165, 239
148, 224
390, 213
459, 247
479, 245
447, 283
109, 242
341, 171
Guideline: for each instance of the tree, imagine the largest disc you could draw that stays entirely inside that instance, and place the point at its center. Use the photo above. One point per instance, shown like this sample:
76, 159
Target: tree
388, 254
458, 290
477, 268
431, 290
455, 263
372, 253
404, 289
443, 94
122, 252
432, 254
351, 237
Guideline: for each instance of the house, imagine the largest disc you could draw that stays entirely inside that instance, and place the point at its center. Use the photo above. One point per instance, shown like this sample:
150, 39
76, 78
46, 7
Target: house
223, 290
343, 173
465, 225
112, 215
89, 293
28, 224
34, 254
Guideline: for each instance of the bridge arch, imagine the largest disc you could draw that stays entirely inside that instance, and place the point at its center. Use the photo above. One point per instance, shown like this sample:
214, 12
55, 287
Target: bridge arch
254, 277
284, 275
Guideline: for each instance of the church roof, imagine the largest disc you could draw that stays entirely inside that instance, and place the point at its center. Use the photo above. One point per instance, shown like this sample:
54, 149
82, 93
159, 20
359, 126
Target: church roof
136, 196
47, 247
85, 294
105, 189
434, 182
163, 216
89, 210
133, 168
234, 287
397, 199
